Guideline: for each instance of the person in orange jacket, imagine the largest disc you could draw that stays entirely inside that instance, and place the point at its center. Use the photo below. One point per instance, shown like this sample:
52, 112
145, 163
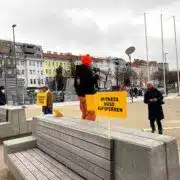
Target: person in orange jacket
85, 83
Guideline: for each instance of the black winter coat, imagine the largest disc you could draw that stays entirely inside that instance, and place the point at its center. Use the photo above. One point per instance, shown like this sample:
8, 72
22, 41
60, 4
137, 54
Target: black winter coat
84, 82
2, 99
155, 108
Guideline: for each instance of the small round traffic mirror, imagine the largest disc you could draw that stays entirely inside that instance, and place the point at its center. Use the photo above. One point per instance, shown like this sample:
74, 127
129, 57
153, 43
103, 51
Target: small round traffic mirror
130, 50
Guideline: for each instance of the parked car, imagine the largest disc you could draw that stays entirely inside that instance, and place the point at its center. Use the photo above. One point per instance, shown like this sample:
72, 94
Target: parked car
58, 96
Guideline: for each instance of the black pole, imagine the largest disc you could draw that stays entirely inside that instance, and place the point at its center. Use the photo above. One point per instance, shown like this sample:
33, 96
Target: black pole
131, 88
5, 81
166, 71
14, 54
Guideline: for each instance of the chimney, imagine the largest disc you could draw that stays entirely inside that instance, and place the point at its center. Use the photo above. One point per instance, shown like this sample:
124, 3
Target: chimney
49, 52
54, 52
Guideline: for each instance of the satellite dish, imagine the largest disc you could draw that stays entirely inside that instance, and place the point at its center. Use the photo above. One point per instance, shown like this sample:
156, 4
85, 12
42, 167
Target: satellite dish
130, 50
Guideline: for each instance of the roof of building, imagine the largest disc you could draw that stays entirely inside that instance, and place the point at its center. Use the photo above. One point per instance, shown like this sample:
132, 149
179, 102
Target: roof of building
139, 62
61, 56
69, 56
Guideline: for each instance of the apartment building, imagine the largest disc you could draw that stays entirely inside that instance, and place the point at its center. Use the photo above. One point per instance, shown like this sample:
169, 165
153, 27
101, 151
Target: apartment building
30, 64
141, 68
28, 61
52, 60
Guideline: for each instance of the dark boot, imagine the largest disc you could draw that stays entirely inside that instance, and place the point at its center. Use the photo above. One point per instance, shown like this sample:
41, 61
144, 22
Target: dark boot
159, 126
152, 126
153, 131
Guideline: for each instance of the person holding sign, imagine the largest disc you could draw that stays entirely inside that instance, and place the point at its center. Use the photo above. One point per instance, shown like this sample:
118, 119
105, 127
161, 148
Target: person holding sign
48, 109
85, 83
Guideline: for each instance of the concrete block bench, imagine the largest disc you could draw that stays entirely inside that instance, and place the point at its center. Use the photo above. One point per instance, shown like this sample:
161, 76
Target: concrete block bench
84, 150
13, 122
170, 143
76, 154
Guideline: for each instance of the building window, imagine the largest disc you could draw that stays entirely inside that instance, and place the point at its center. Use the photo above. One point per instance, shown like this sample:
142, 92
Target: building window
41, 72
23, 72
53, 63
10, 71
39, 81
34, 63
30, 71
34, 71
22, 63
31, 81
49, 71
38, 72
29, 63
34, 81
46, 71
49, 63
38, 56
9, 61
42, 81
56, 63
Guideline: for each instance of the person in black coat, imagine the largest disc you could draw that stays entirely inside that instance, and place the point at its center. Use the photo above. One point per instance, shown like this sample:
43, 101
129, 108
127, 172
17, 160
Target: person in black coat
85, 82
2, 96
135, 92
154, 99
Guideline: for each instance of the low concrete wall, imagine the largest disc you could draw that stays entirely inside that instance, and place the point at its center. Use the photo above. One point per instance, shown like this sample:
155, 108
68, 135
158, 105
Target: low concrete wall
138, 155
15, 122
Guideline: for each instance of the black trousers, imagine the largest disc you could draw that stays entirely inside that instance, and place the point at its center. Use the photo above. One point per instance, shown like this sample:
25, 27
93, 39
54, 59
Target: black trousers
153, 127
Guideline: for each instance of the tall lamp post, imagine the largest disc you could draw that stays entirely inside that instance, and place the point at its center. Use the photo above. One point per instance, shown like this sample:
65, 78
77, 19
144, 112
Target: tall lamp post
177, 57
14, 55
165, 69
163, 55
130, 51
116, 62
117, 65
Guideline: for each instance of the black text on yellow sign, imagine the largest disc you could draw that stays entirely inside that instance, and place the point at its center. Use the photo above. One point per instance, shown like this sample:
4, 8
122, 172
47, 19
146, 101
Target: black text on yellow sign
112, 104
41, 99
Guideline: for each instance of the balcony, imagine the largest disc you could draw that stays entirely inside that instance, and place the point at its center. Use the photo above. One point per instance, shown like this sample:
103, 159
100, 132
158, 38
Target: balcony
9, 63
29, 50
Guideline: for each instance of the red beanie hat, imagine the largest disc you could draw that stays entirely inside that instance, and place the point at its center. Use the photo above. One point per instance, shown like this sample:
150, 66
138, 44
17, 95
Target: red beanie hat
86, 60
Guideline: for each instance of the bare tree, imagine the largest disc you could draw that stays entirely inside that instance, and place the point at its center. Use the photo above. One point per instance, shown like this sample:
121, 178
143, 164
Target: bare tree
158, 76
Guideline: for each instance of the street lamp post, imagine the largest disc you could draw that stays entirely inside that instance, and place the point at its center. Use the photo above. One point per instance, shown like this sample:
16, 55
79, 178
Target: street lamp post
163, 55
165, 71
117, 72
14, 55
147, 48
129, 51
177, 58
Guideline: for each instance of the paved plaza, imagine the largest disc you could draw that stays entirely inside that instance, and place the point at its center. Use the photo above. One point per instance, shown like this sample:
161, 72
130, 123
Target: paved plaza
137, 118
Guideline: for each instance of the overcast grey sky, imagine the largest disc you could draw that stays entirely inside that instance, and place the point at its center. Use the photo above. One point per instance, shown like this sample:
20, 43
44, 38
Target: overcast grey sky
99, 27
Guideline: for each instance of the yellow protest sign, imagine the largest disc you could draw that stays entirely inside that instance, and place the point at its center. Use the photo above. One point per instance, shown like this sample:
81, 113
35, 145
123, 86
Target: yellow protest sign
111, 104
41, 99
